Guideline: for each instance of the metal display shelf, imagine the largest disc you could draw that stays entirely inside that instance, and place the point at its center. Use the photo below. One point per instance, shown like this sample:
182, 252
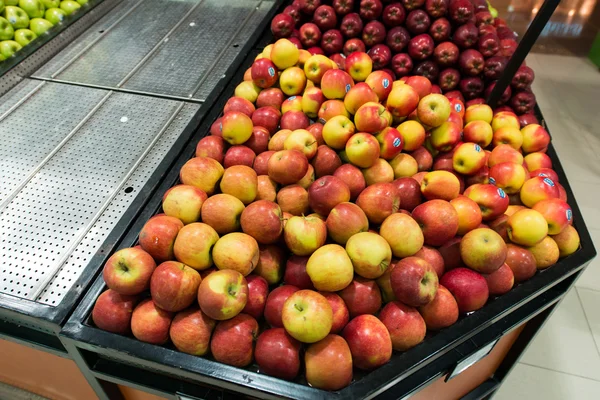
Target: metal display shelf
104, 357
78, 163
174, 49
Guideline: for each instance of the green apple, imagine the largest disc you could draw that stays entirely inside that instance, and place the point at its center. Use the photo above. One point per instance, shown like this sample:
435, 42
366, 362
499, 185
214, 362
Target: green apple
39, 26
9, 47
33, 8
6, 30
24, 36
2, 5
55, 15
17, 17
82, 2
69, 6
11, 2
51, 3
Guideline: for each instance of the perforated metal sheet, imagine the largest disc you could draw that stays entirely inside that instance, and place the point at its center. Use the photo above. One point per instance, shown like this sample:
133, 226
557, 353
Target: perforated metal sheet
58, 212
168, 48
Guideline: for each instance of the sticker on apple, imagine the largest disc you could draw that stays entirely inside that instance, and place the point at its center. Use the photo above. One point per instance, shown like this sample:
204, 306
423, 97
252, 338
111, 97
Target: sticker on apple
548, 182
569, 215
348, 87
501, 193
271, 71
477, 148
397, 142
492, 181
385, 83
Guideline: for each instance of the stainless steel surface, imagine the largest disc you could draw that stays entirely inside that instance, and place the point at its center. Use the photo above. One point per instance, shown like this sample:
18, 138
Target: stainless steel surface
174, 49
71, 161
26, 67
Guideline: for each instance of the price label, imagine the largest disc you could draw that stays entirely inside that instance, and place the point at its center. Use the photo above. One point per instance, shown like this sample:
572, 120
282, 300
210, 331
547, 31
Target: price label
471, 359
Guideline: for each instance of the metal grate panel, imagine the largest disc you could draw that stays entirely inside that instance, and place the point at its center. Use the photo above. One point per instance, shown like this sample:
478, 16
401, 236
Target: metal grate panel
110, 145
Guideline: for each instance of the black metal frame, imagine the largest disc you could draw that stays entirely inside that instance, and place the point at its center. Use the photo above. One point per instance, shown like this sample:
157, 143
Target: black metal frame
37, 325
105, 357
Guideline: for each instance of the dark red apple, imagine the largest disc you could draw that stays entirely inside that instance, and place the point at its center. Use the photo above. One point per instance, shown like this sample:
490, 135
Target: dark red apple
332, 42
523, 102
428, 69
466, 35
343, 7
310, 35
354, 45
259, 141
471, 62
488, 44
397, 39
449, 79
507, 47
394, 14
527, 119
440, 30
523, 78
268, 117
282, 25
370, 9
421, 47
278, 354
484, 18
381, 56
325, 17
232, 342
402, 65
436, 8
494, 67
461, 11
446, 54
480, 5
505, 96
258, 290
295, 273
308, 6
315, 50
239, 155
373, 33
468, 288
352, 25
417, 22
413, 4
505, 32
274, 305
294, 12
362, 296
483, 29
471, 87
409, 191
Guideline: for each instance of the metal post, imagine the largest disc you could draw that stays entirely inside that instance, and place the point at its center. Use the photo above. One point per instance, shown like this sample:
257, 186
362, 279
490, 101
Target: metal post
529, 38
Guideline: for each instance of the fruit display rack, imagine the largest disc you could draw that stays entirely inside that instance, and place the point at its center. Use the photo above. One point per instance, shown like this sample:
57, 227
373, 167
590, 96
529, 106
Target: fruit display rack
106, 358
83, 147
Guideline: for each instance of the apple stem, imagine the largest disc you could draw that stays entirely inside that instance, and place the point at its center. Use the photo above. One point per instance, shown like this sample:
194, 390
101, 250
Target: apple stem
299, 308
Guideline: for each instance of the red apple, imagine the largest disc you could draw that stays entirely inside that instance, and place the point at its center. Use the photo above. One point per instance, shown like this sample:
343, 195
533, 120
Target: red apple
362, 296
370, 9
232, 342
352, 46
287, 166
295, 273
406, 326
421, 47
329, 363
492, 200
278, 354
369, 342
468, 288
351, 25
268, 117
414, 281
341, 315
223, 294
274, 305
394, 14
262, 221
325, 17
282, 25
258, 289
239, 155
373, 33
270, 97
345, 220
379, 201
264, 73
326, 192
129, 270
332, 42
441, 312
150, 324
211, 147
417, 22
157, 237
191, 330
112, 312
438, 220
461, 11
440, 30
174, 286
352, 177
402, 64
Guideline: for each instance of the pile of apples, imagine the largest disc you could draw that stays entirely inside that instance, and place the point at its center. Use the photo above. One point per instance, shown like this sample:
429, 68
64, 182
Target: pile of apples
22, 21
459, 45
337, 216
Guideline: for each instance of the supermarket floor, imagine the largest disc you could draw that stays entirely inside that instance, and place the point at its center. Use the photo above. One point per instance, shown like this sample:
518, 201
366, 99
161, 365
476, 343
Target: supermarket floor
563, 362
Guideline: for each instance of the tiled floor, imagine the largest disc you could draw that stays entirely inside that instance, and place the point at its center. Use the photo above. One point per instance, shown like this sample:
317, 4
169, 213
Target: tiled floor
563, 362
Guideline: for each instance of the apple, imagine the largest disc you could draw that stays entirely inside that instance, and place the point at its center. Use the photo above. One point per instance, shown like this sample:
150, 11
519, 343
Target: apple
352, 177
293, 199
546, 253
337, 131
535, 138
332, 42
274, 305
284, 54
325, 17
343, 7
292, 81
468, 288
258, 143
295, 273
336, 83
440, 30
409, 191
505, 119
359, 65
402, 101
287, 166
370, 254
47, 3
527, 227
523, 78
174, 286
240, 104
441, 312
372, 117
316, 66
303, 235
472, 87
282, 25
568, 241
330, 109
397, 39
381, 55
418, 22
440, 185
469, 214
311, 102
406, 326
346, 220
537, 189
307, 7
326, 192
483, 250
404, 165
6, 29
479, 132
504, 153
184, 202
18, 17
149, 323
233, 340
369, 342
112, 312
523, 102
449, 79
421, 47
438, 220
328, 363
353, 45
211, 147
222, 212
500, 281
468, 158
330, 269
535, 161
241, 182
403, 234
326, 162
70, 6
351, 25
431, 71
258, 290
236, 127
424, 159
278, 354
24, 36
433, 110
362, 149
236, 251
436, 8
270, 118
414, 281
239, 155
413, 134
492, 200
262, 221
394, 14
248, 90
359, 94
303, 141
270, 97
557, 213
278, 139
446, 54
307, 316
379, 201
317, 131
8, 48
509, 176
374, 33
158, 235
362, 296
223, 294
